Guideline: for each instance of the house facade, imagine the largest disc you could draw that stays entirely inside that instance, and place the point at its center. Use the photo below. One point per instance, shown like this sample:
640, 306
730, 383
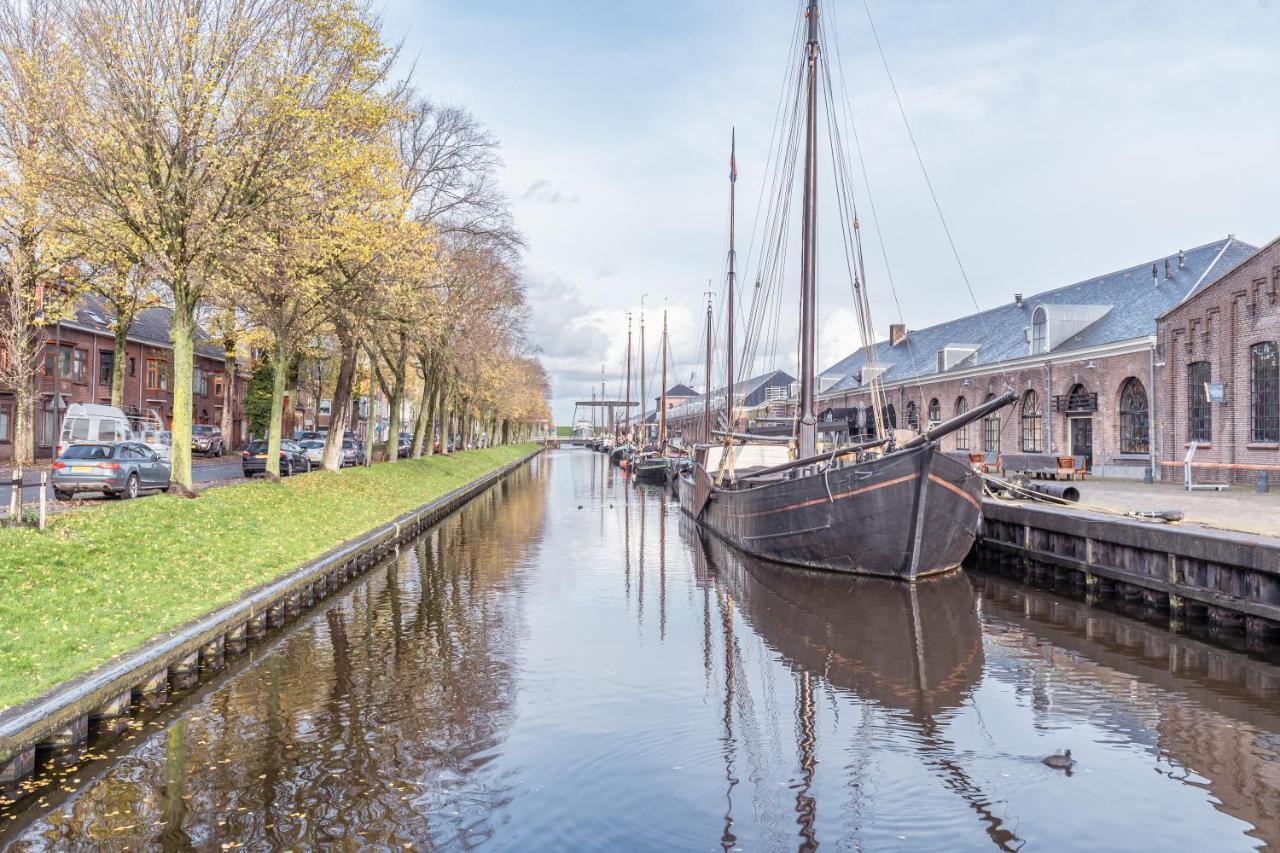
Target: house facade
1082, 359
78, 360
1218, 375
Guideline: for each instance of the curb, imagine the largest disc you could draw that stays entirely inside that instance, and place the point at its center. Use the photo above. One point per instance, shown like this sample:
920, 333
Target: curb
59, 718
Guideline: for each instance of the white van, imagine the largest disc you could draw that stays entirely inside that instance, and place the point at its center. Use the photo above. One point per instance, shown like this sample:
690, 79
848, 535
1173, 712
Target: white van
93, 422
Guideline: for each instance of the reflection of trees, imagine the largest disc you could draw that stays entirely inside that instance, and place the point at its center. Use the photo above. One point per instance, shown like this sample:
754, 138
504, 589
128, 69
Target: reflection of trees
357, 728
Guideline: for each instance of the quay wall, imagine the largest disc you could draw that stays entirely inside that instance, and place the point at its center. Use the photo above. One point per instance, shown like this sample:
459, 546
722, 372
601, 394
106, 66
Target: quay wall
1195, 573
61, 718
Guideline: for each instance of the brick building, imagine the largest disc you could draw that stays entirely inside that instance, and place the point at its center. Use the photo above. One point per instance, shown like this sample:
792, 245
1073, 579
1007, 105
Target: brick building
1081, 357
1224, 339
78, 359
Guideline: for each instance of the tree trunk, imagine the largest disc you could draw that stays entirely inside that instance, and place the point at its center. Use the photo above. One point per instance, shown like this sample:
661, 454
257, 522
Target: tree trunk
280, 381
341, 406
24, 444
371, 420
118, 358
396, 399
229, 368
183, 337
422, 427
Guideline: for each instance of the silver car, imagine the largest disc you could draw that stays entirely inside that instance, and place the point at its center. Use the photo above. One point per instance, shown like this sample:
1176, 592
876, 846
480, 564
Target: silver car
120, 470
314, 449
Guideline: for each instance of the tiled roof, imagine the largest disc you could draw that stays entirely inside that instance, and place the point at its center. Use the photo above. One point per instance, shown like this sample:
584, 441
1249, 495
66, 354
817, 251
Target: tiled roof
1130, 297
681, 390
150, 326
745, 389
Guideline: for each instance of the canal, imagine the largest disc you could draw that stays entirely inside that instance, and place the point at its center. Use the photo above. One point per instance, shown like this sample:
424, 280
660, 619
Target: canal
565, 664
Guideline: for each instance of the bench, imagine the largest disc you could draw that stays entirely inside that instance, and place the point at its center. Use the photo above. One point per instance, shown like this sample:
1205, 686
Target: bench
1043, 465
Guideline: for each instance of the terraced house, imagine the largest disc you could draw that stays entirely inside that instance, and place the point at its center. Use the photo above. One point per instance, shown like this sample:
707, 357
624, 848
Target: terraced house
1083, 358
79, 354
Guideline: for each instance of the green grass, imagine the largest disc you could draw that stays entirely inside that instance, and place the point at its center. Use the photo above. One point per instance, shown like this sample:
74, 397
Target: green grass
101, 580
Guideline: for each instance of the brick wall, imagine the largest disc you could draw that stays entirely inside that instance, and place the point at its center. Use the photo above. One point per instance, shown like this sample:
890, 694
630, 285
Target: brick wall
1220, 325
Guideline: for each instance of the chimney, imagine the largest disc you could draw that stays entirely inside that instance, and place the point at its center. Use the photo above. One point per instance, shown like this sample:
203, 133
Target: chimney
1017, 299
1155, 274
897, 333
1168, 273
1182, 259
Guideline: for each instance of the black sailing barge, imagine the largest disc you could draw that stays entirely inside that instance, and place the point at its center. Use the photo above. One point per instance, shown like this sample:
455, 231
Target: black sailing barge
893, 508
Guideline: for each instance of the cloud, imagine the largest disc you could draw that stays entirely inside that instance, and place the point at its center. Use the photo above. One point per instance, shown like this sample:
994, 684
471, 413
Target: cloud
544, 192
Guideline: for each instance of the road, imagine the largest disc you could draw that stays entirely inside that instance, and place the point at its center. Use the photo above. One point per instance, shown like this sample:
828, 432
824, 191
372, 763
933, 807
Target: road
203, 471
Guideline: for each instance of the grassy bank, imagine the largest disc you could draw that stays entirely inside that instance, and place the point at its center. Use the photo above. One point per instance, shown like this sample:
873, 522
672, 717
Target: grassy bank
102, 580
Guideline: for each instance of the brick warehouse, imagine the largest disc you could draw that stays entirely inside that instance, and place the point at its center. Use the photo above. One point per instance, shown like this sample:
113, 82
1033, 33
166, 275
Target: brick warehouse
1226, 334
84, 375
1082, 358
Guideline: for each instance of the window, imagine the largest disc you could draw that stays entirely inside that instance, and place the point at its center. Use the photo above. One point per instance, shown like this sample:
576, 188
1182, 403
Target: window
200, 382
1039, 331
70, 361
106, 361
48, 425
1031, 421
913, 416
890, 417
1264, 392
157, 375
869, 421
935, 413
106, 430
218, 387
133, 366
962, 434
1135, 425
6, 421
1199, 415
991, 430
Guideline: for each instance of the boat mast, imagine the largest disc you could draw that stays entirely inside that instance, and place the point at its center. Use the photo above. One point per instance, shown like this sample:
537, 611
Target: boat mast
628, 401
706, 397
733, 180
808, 244
644, 429
662, 404
603, 412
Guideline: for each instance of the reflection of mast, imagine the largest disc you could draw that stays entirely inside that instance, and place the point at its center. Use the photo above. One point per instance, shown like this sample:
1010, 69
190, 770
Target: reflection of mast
662, 567
806, 806
640, 572
626, 542
727, 839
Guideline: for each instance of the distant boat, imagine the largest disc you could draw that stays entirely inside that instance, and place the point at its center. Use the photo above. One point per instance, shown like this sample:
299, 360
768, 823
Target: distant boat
901, 509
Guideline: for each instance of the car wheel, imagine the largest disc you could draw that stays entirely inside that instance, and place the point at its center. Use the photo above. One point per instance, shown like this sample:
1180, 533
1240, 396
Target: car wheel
130, 487
60, 495
164, 490
288, 467
248, 475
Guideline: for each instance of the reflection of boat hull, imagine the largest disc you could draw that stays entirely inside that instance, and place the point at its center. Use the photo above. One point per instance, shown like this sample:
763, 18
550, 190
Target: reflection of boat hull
916, 647
903, 515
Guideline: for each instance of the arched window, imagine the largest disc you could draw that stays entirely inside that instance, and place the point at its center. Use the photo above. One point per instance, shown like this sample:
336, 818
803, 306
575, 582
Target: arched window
991, 429
913, 416
1039, 331
1199, 415
935, 412
1135, 425
868, 420
1264, 392
962, 434
890, 417
1031, 421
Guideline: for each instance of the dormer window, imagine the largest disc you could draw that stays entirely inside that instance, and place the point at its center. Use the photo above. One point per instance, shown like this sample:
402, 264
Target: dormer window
1039, 331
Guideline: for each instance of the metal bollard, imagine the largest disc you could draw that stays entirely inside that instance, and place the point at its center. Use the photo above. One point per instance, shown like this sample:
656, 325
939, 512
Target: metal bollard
1264, 483
44, 489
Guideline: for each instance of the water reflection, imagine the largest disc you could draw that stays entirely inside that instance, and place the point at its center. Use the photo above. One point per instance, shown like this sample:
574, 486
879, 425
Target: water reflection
568, 664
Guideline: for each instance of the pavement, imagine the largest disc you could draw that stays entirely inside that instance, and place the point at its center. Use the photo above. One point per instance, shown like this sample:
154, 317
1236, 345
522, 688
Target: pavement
1238, 508
202, 471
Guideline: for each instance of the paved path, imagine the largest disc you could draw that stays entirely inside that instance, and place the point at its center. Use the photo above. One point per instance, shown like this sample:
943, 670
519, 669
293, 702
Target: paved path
202, 471
1238, 508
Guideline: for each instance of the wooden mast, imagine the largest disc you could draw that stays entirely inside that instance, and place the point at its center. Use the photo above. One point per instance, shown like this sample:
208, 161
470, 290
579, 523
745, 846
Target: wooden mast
706, 397
808, 245
627, 402
662, 403
733, 180
644, 429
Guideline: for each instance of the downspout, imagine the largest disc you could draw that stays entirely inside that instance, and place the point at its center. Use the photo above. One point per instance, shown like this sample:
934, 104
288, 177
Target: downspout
1050, 446
1152, 418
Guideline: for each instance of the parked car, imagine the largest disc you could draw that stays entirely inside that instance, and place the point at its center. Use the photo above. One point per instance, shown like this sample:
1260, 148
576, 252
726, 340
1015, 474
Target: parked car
314, 448
293, 459
159, 440
121, 470
207, 439
405, 445
91, 422
352, 453
307, 435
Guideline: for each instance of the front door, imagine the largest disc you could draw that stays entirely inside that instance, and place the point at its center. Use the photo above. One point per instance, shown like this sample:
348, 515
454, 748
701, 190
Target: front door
1082, 440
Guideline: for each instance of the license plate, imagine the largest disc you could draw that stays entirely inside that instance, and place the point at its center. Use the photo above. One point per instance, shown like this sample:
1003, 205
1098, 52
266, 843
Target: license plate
260, 456
81, 469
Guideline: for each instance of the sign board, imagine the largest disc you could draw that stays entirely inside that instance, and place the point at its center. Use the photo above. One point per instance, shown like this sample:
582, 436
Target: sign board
1215, 392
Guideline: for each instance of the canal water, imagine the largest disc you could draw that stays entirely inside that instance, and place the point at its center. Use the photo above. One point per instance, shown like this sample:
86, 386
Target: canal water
565, 664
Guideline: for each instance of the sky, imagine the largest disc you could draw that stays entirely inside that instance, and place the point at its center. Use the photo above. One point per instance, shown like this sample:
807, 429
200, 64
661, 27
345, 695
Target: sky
1063, 140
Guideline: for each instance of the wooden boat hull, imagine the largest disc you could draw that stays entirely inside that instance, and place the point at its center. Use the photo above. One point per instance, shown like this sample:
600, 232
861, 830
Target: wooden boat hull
904, 515
651, 471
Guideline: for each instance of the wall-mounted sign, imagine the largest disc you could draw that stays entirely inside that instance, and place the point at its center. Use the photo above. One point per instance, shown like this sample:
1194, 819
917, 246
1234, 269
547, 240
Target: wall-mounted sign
1215, 392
